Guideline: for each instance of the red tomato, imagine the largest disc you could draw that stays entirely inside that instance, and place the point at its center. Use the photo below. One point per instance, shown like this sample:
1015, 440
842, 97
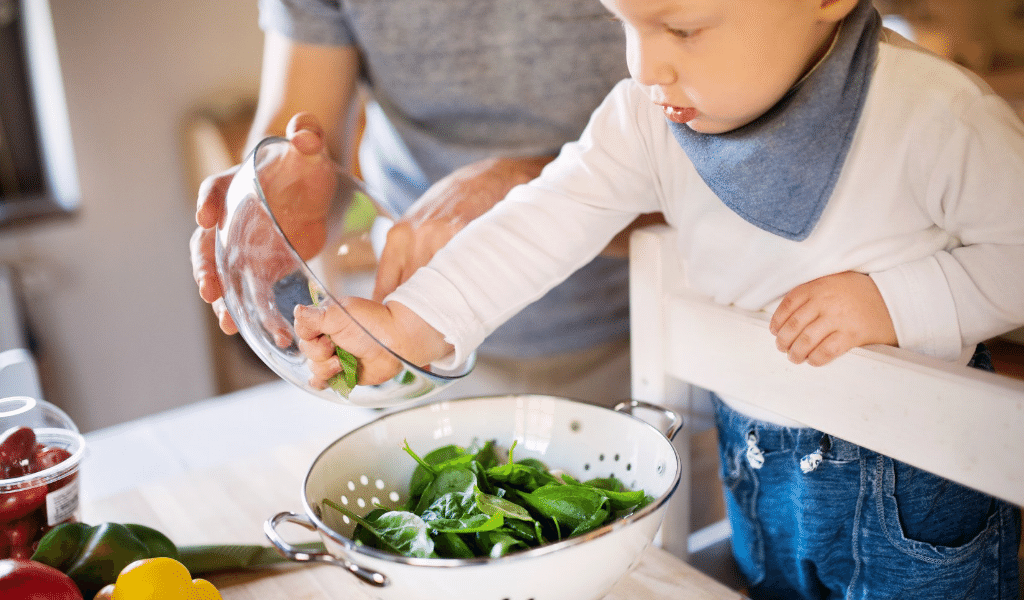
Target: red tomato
18, 503
21, 532
17, 445
31, 580
46, 457
22, 552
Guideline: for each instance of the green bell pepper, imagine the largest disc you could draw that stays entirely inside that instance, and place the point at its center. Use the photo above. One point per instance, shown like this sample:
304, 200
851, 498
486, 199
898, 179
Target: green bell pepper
93, 555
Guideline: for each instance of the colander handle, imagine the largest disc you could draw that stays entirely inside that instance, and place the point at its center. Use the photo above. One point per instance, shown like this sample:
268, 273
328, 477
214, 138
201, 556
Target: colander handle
675, 421
292, 553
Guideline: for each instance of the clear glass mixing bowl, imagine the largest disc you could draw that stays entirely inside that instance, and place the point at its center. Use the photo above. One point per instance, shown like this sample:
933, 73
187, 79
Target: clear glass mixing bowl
335, 236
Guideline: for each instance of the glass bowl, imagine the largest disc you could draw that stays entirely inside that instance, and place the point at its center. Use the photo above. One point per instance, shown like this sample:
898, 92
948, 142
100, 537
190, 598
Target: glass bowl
334, 240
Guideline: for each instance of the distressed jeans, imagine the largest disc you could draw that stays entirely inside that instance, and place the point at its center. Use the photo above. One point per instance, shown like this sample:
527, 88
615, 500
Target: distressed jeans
815, 517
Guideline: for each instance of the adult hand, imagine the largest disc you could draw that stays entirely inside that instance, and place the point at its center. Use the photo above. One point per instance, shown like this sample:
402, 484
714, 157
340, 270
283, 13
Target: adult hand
824, 318
443, 210
299, 185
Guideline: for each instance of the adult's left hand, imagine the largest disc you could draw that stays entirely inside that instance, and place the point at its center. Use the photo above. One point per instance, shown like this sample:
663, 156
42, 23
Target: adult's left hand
443, 210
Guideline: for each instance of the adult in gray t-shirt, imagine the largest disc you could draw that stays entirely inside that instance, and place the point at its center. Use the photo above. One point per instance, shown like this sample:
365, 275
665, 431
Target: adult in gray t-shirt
454, 82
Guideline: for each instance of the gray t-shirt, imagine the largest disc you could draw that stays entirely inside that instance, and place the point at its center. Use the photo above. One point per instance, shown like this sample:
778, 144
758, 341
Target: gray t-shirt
455, 81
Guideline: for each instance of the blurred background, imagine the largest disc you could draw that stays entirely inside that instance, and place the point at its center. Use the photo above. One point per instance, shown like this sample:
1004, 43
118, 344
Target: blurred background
110, 309
155, 95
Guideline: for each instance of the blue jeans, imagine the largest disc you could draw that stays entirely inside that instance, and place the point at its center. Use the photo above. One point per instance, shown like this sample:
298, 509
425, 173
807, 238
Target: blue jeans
816, 517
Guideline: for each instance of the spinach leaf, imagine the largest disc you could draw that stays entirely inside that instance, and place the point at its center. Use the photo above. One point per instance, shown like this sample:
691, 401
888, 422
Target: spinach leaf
487, 456
533, 462
499, 543
435, 461
569, 506
622, 499
366, 531
452, 545
494, 505
406, 532
473, 523
520, 476
530, 533
458, 480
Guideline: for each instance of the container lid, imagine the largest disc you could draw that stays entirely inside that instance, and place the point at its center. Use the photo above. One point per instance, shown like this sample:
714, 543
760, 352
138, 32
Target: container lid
25, 411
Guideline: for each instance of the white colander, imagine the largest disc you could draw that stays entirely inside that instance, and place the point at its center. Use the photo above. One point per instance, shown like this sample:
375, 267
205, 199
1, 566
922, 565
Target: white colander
368, 466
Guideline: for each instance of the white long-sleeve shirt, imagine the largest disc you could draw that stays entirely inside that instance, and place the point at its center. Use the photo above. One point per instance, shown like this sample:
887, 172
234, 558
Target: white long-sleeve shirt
930, 203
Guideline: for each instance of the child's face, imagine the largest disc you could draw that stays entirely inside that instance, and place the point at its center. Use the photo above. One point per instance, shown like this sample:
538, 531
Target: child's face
717, 65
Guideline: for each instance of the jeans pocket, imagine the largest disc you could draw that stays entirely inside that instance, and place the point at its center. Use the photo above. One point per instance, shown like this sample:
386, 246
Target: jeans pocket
931, 518
741, 487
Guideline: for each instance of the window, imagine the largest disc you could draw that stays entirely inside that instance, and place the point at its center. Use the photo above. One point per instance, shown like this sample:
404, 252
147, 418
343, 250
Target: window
37, 169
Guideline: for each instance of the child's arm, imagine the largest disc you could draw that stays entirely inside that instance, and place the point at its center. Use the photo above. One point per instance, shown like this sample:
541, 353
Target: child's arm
397, 327
824, 318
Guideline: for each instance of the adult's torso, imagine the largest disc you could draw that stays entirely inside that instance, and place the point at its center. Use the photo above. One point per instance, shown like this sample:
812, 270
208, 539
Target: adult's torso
455, 81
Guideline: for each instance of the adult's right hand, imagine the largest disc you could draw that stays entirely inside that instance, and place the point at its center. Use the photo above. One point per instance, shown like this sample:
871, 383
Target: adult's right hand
305, 179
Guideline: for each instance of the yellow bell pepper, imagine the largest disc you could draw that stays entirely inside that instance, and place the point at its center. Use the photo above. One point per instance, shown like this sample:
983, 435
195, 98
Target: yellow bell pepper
161, 578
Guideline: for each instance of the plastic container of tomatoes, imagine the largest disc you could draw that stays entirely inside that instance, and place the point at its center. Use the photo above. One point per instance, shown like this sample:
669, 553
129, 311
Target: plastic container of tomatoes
40, 453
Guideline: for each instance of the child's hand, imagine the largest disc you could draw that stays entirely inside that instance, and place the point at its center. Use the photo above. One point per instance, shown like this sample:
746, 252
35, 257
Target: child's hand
320, 329
824, 318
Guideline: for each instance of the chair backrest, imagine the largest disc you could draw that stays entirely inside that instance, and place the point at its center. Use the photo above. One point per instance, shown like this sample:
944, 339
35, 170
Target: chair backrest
957, 422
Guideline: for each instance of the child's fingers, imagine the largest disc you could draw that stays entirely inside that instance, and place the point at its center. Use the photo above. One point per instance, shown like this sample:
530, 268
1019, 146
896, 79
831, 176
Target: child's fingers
782, 313
325, 369
808, 341
789, 328
312, 321
381, 368
319, 348
834, 345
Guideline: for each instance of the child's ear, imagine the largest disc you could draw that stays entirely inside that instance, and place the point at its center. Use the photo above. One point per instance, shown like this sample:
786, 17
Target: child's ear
836, 10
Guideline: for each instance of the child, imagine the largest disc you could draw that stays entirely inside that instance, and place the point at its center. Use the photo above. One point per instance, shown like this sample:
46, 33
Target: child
814, 165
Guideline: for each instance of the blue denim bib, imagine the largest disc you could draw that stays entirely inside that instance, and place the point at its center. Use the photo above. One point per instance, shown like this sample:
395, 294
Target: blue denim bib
779, 171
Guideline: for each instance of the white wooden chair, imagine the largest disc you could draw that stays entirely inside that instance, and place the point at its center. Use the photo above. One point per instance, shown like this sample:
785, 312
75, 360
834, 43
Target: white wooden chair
961, 423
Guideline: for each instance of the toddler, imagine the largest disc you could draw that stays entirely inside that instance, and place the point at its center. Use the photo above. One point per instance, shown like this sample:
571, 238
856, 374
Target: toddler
816, 166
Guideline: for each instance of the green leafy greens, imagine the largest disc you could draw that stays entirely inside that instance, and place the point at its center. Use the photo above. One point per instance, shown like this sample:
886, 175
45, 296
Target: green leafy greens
343, 382
470, 502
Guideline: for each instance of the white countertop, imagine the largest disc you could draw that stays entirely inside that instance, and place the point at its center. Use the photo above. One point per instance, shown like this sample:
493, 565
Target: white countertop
209, 433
